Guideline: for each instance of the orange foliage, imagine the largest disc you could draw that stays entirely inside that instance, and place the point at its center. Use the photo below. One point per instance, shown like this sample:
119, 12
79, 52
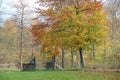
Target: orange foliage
67, 25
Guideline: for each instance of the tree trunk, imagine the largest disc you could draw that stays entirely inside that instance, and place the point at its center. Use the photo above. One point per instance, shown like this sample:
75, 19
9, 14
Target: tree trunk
63, 59
90, 52
21, 42
78, 60
105, 52
21, 34
32, 50
81, 58
72, 59
93, 51
54, 61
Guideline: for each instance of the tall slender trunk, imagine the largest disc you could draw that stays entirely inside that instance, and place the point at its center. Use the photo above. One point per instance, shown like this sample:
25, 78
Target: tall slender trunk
90, 52
54, 61
32, 50
21, 37
78, 60
21, 42
93, 51
105, 52
72, 59
81, 58
63, 59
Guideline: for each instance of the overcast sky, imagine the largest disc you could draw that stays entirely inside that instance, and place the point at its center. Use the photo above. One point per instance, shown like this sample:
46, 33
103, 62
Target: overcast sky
7, 10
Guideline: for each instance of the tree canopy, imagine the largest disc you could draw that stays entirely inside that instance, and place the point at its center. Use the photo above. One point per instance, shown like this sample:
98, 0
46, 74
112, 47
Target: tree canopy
76, 25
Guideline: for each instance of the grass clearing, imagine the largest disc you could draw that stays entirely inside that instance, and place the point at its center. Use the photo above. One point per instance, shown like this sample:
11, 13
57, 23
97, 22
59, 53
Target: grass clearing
58, 75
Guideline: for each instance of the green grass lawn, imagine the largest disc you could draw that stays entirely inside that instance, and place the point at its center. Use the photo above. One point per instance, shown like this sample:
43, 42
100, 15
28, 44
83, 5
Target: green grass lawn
58, 75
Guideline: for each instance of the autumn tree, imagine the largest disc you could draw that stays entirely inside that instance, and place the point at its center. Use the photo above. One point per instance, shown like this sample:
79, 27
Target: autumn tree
113, 6
19, 15
77, 25
8, 41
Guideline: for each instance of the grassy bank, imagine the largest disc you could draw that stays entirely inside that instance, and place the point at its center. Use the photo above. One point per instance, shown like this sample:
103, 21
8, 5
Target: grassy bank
59, 75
